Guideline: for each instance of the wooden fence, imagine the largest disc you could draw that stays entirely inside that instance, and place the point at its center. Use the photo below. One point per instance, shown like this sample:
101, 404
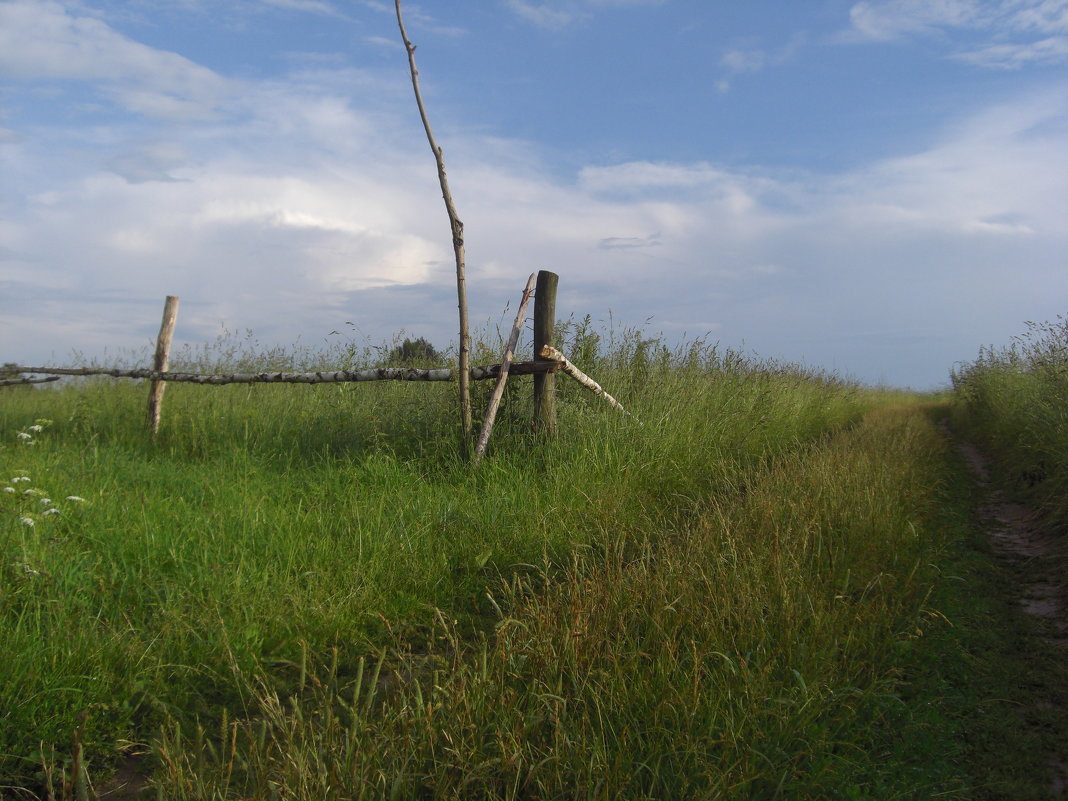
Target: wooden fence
547, 362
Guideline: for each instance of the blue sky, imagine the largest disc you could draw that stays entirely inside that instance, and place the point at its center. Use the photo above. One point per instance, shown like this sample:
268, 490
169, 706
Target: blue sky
877, 187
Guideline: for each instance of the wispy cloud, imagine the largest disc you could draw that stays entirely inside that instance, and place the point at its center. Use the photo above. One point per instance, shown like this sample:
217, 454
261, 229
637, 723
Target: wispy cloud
1052, 50
746, 58
737, 60
1017, 32
557, 15
43, 40
630, 242
311, 6
547, 16
884, 20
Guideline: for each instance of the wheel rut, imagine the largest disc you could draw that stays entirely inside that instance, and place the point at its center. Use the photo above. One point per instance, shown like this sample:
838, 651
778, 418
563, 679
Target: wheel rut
1036, 560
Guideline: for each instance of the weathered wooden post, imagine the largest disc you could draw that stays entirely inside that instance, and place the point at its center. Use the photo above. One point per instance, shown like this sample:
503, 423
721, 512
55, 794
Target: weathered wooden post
163, 352
544, 323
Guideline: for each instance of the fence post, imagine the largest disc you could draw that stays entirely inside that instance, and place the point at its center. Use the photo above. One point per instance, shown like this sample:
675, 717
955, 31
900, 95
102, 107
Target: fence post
544, 323
163, 352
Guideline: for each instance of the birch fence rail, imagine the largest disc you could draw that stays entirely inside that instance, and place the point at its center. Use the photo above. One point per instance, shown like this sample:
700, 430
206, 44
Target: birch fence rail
548, 361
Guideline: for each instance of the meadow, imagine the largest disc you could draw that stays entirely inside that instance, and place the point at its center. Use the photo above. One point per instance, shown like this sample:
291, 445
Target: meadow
305, 592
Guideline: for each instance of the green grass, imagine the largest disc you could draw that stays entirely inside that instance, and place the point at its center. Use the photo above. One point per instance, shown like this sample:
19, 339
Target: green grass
1013, 402
302, 592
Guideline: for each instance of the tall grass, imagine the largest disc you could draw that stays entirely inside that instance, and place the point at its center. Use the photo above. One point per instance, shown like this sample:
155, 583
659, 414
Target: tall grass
1014, 402
300, 592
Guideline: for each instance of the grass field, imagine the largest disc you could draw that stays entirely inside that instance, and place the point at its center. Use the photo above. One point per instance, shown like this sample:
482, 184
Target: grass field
303, 592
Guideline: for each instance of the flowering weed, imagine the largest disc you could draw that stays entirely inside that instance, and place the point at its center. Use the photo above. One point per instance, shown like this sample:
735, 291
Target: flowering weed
29, 504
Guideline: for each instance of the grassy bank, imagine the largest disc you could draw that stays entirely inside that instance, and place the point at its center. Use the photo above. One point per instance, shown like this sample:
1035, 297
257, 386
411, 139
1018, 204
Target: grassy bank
1013, 402
299, 591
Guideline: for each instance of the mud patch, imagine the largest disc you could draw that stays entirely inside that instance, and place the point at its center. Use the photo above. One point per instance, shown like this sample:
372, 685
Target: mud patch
129, 782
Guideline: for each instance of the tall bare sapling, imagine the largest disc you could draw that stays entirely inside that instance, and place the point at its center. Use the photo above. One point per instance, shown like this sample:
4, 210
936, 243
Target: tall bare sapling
464, 365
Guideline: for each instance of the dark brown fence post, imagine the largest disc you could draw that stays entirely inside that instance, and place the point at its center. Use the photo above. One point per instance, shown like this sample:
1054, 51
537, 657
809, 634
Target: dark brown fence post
163, 352
544, 323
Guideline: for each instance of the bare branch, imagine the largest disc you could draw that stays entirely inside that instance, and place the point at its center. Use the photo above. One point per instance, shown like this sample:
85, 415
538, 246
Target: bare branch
457, 226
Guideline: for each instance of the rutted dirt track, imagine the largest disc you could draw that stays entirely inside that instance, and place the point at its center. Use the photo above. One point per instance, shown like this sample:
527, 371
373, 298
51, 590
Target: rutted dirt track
1036, 560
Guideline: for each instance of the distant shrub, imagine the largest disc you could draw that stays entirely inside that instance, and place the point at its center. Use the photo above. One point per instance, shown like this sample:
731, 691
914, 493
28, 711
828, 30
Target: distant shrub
413, 352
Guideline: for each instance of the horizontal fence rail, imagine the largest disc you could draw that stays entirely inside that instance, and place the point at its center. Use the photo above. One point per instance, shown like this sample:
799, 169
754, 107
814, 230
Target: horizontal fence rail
11, 382
482, 373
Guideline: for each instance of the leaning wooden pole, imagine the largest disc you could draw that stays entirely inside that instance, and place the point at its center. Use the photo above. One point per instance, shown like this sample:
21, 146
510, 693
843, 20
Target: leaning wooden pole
506, 363
464, 360
159, 364
544, 324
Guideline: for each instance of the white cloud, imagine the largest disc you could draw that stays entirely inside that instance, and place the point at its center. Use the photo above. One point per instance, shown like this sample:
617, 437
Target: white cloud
1052, 50
546, 16
890, 19
744, 60
1017, 32
557, 15
646, 175
41, 40
311, 6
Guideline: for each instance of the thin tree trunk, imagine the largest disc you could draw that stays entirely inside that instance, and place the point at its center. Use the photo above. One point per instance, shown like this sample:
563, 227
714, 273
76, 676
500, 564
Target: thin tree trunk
457, 226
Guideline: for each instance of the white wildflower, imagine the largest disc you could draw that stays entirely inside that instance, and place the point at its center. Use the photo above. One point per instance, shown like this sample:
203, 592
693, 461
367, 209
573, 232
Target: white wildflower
9, 489
31, 492
75, 498
27, 521
17, 479
38, 428
45, 501
52, 511
24, 435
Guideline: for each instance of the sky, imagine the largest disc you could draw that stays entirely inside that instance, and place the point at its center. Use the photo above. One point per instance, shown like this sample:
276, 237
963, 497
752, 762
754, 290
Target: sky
873, 188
